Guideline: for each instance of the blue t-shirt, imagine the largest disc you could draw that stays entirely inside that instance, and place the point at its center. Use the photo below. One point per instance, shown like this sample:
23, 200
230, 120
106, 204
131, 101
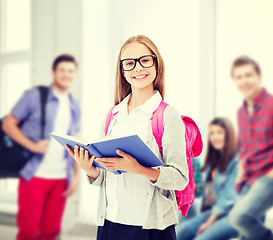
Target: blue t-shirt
28, 109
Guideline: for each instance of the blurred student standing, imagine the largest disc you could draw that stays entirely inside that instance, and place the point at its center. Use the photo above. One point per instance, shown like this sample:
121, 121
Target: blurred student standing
46, 180
255, 178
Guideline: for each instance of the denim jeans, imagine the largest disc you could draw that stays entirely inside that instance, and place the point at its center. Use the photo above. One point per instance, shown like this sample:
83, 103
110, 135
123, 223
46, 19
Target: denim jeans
219, 230
250, 208
193, 211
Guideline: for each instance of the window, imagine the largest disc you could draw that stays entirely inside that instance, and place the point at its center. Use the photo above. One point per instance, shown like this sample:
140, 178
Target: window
15, 25
15, 70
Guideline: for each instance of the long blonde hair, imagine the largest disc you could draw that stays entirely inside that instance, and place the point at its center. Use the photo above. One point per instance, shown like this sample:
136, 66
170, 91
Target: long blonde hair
122, 87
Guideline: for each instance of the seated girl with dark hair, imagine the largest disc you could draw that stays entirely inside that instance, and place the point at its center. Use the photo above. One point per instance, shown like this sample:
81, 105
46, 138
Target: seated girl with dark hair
220, 170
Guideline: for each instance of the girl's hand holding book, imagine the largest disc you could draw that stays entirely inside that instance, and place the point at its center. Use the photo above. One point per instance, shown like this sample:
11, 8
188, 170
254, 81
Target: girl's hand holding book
129, 164
82, 158
125, 163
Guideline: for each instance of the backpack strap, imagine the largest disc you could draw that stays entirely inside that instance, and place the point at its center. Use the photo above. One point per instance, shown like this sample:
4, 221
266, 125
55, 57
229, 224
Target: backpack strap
43, 90
192, 134
157, 124
109, 118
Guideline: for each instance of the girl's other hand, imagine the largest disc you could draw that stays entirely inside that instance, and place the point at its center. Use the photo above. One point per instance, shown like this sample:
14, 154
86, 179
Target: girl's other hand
125, 163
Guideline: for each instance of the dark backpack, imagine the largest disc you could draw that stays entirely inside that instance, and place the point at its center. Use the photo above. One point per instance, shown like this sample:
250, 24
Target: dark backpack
12, 158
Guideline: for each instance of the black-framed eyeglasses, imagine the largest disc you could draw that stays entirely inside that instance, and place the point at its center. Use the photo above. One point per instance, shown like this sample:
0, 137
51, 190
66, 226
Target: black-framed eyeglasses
146, 61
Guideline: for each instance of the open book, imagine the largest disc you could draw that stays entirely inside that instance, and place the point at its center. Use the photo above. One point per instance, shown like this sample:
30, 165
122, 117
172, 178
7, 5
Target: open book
107, 147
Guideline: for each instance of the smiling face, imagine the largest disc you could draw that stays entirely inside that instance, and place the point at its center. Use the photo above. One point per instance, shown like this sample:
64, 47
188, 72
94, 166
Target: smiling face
64, 75
140, 77
217, 137
247, 80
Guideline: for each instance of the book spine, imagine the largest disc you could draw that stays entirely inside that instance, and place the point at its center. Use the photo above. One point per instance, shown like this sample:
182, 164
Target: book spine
94, 151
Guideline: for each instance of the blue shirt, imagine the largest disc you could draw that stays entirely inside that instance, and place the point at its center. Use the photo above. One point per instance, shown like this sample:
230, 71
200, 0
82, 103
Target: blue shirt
28, 109
224, 187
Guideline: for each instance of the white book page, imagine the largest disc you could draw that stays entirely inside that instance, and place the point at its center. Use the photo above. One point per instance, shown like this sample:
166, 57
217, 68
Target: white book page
72, 138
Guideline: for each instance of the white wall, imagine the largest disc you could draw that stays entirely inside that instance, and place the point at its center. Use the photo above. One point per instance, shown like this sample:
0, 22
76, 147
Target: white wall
56, 30
243, 28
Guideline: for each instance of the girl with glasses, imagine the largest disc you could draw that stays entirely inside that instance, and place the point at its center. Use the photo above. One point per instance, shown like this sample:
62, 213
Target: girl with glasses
140, 203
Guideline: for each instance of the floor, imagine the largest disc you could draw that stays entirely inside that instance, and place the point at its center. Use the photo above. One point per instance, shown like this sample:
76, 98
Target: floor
8, 232
72, 229
82, 231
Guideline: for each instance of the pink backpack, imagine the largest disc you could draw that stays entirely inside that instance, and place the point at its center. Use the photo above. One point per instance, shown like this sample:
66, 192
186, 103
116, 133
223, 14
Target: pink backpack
194, 147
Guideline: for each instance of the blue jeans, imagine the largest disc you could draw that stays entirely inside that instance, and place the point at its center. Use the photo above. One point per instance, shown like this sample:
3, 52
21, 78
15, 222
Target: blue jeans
219, 230
193, 211
252, 204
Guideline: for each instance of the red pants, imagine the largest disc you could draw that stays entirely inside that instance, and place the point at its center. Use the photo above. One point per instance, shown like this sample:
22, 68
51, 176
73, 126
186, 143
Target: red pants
40, 208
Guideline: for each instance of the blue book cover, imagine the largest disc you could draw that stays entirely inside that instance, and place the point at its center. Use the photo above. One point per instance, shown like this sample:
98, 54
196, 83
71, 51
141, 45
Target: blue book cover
107, 147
